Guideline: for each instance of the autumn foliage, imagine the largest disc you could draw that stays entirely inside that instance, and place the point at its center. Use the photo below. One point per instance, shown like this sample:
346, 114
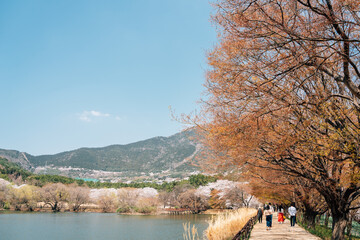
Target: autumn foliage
283, 95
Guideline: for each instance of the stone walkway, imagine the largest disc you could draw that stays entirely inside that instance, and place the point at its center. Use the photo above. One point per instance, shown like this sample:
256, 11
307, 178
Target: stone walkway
280, 231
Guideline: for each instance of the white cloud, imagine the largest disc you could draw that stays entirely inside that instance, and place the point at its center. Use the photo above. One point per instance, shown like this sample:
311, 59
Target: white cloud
84, 118
99, 114
89, 116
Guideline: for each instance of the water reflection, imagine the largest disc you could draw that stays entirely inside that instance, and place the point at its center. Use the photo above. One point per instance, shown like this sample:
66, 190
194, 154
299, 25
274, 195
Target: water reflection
105, 226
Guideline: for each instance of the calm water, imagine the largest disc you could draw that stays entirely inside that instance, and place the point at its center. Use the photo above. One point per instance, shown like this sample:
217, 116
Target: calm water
103, 226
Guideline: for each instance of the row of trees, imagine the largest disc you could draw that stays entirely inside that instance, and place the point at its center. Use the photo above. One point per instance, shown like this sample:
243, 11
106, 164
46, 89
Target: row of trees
188, 197
57, 196
61, 197
183, 196
284, 100
12, 172
41, 180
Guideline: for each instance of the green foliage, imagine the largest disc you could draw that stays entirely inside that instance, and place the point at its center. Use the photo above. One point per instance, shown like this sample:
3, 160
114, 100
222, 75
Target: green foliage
41, 180
92, 184
169, 186
4, 176
166, 186
201, 180
12, 169
9, 168
320, 231
80, 182
7, 206
123, 210
323, 232
145, 209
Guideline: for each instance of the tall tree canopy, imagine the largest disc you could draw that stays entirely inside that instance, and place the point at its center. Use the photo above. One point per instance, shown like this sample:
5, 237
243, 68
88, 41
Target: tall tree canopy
284, 93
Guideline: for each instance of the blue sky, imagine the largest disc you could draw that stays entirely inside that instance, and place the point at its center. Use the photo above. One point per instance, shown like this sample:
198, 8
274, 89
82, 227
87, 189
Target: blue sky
89, 73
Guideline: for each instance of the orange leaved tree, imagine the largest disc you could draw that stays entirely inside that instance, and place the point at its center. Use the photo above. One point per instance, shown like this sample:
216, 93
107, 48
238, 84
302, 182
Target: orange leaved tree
284, 93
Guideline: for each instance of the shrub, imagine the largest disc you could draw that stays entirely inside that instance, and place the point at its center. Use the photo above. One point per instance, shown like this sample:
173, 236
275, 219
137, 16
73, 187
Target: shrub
7, 206
123, 210
145, 209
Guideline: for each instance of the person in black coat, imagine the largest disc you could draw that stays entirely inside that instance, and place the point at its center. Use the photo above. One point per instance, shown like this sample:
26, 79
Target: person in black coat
260, 214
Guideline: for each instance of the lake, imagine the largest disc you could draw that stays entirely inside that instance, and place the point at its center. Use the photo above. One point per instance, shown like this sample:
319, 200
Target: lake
104, 226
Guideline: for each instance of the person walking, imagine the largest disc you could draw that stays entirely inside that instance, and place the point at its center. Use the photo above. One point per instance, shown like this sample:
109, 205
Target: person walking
268, 215
292, 213
260, 214
280, 214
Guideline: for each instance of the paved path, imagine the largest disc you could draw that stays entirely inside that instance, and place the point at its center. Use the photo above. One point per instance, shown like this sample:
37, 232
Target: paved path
280, 231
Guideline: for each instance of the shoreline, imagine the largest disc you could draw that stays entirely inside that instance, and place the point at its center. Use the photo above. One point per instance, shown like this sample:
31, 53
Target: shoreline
98, 210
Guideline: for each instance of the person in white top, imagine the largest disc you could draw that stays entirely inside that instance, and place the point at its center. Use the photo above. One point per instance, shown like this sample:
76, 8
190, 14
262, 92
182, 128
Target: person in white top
268, 215
292, 213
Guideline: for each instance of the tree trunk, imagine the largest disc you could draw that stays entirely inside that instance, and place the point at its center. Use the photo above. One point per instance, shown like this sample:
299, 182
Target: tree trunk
339, 202
55, 207
76, 207
339, 225
309, 218
349, 226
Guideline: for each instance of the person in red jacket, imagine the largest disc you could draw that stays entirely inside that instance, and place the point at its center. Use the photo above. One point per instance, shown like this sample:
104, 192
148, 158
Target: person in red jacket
280, 214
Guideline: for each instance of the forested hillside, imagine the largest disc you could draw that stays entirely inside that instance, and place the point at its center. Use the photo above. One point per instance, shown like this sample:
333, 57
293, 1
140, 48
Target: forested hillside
173, 154
10, 169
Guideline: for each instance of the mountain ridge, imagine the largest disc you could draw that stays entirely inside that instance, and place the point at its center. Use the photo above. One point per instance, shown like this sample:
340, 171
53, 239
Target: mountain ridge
154, 155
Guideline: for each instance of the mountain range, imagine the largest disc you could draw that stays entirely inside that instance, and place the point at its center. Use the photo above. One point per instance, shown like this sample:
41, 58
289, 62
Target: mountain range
160, 156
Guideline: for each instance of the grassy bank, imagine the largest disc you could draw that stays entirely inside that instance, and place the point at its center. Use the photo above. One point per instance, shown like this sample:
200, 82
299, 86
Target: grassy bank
324, 232
227, 225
